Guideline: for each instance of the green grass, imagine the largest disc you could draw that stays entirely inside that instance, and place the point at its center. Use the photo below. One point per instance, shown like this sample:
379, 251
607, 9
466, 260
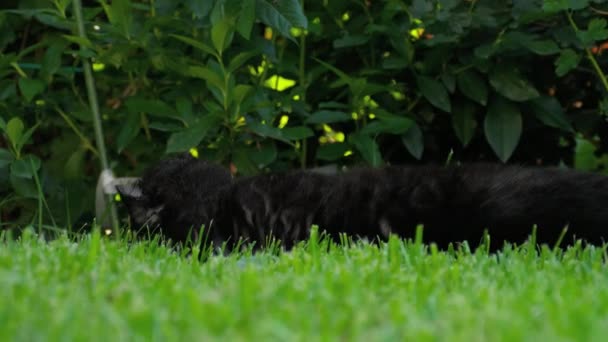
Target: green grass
103, 290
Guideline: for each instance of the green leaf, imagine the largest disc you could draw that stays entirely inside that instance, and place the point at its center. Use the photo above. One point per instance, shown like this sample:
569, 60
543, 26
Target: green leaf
515, 39
387, 122
30, 88
420, 8
351, 40
264, 130
286, 14
264, 154
368, 148
548, 110
73, 168
578, 4
52, 20
542, 47
128, 131
23, 187
52, 59
222, 9
26, 167
199, 9
81, 41
120, 14
166, 126
449, 81
435, 93
244, 24
568, 60
297, 133
464, 123
331, 152
196, 44
510, 84
14, 131
403, 46
149, 106
396, 126
240, 59
6, 157
2, 124
62, 4
414, 141
327, 116
183, 105
241, 157
553, 6
241, 92
333, 105
377, 127
503, 127
584, 155
208, 75
473, 86
292, 11
486, 51
192, 136
596, 31
279, 83
395, 63
341, 74
221, 35
25, 138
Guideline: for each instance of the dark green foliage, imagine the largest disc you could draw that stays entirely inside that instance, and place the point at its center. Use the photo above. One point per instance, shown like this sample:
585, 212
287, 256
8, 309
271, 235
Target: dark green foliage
263, 84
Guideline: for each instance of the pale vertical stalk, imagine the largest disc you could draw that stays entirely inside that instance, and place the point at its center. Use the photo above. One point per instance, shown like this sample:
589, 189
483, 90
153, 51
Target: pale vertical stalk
94, 106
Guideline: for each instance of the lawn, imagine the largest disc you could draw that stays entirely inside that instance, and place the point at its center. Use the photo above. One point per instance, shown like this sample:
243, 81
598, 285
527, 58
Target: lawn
97, 289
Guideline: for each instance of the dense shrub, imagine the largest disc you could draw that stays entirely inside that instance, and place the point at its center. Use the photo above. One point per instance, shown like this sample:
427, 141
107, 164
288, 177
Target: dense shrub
277, 84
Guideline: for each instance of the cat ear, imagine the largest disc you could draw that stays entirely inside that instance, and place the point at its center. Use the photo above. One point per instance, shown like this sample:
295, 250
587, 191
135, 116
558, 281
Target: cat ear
128, 187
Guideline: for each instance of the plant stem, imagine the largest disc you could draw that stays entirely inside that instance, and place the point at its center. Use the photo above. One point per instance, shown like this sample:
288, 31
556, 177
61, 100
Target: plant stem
41, 200
94, 106
302, 80
590, 56
597, 68
84, 140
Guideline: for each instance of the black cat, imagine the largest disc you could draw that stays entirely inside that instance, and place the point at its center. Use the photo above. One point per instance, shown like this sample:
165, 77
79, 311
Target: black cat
454, 203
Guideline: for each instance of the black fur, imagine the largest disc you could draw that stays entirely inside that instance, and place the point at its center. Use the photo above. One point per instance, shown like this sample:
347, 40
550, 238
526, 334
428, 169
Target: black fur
454, 203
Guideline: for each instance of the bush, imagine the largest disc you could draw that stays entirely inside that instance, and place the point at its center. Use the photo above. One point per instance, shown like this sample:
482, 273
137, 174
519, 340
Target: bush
277, 84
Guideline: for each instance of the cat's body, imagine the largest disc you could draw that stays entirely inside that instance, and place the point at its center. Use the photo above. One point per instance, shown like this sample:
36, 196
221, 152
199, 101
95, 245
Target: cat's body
454, 204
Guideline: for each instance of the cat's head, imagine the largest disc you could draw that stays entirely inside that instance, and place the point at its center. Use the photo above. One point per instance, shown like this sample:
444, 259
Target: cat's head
173, 186
142, 209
